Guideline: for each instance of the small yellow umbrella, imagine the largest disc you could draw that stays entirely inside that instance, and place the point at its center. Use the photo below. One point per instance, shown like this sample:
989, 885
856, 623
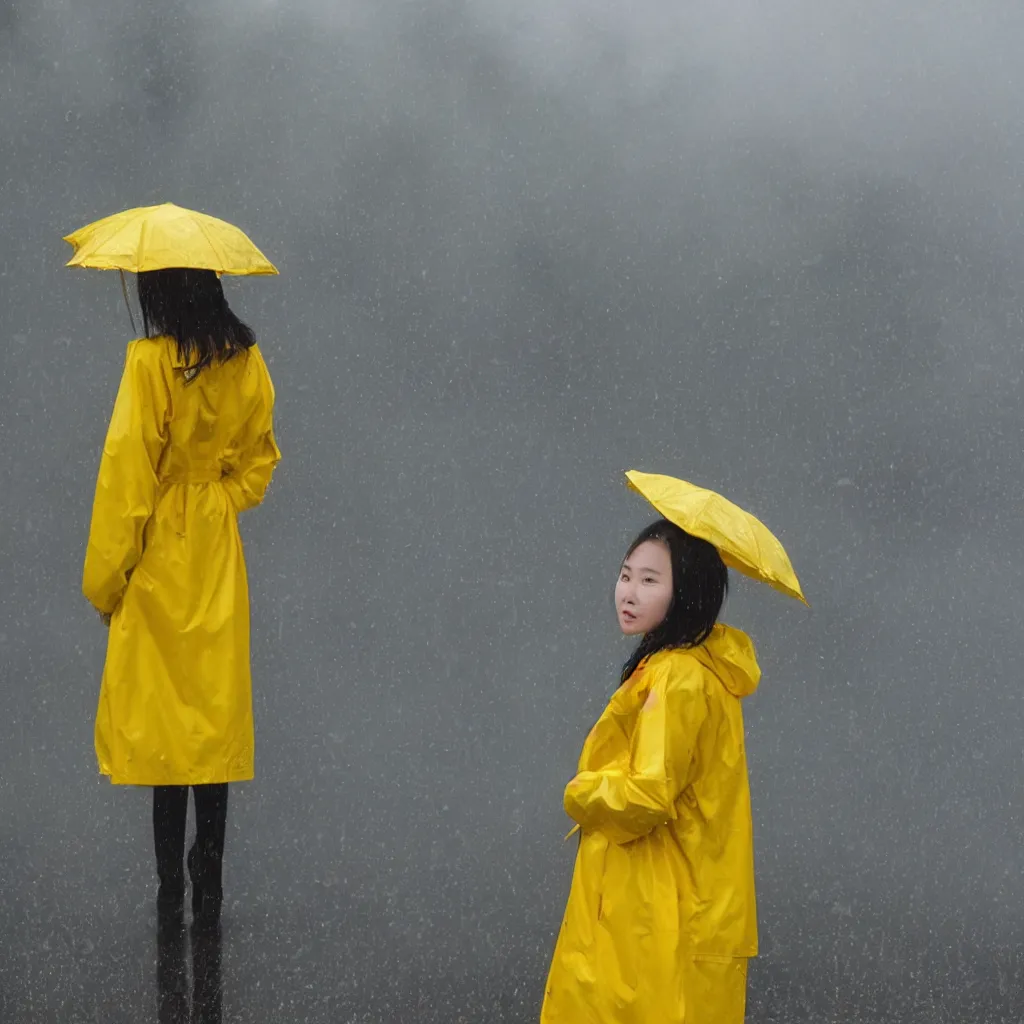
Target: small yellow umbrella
164, 236
744, 542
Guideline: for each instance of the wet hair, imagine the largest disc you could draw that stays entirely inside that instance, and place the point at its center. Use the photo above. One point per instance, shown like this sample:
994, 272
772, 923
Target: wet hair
189, 306
700, 582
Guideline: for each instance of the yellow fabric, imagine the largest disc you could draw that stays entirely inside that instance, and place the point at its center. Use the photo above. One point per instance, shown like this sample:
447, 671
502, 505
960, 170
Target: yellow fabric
743, 541
661, 914
159, 237
181, 459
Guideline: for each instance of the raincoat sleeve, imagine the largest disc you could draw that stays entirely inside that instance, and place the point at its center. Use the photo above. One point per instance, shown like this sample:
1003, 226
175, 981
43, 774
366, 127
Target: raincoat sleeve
126, 486
627, 803
251, 462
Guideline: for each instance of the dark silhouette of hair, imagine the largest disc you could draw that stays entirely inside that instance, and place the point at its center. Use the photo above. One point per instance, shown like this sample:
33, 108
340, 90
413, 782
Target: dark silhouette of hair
700, 582
189, 306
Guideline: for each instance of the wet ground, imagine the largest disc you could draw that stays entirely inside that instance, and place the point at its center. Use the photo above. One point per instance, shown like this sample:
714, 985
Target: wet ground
86, 945
299, 940
262, 963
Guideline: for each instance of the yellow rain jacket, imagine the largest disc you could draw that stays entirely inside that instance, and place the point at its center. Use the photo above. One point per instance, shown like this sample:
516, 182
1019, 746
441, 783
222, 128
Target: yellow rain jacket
184, 454
661, 915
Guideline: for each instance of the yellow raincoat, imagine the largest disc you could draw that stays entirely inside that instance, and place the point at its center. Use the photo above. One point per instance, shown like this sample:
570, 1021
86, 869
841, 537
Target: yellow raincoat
661, 916
184, 454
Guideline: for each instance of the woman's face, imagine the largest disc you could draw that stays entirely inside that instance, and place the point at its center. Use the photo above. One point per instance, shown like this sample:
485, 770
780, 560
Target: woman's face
644, 591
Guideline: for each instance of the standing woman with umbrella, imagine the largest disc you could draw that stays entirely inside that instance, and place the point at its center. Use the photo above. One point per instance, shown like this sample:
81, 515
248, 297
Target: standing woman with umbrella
190, 445
661, 915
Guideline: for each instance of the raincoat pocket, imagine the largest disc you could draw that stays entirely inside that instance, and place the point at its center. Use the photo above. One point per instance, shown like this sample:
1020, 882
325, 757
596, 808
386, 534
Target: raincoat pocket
718, 985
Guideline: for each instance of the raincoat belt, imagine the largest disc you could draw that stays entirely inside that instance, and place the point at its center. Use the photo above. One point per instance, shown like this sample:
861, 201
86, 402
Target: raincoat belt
184, 476
193, 473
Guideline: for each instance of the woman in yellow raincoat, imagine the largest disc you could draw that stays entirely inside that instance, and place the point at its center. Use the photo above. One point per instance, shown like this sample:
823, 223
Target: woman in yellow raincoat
190, 446
661, 917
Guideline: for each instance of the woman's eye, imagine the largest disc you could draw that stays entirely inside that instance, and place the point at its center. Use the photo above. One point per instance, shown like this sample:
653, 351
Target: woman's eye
648, 579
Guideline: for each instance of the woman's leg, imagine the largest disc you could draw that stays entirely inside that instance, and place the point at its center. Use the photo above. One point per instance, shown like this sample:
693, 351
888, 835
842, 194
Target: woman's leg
170, 808
205, 859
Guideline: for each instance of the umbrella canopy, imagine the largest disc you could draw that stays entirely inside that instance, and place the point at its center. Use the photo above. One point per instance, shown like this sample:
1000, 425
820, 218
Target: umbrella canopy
744, 543
164, 236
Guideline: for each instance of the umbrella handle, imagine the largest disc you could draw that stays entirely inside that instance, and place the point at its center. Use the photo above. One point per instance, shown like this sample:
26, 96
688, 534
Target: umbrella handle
124, 291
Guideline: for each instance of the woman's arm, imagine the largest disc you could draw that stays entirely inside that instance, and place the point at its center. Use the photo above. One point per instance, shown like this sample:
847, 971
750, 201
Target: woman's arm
626, 804
126, 485
252, 462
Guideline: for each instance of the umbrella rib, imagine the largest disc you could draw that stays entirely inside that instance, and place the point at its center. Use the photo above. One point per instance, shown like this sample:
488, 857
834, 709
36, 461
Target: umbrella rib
142, 242
213, 247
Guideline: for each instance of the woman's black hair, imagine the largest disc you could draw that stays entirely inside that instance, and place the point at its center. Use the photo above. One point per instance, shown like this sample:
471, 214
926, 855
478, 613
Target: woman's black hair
700, 582
189, 306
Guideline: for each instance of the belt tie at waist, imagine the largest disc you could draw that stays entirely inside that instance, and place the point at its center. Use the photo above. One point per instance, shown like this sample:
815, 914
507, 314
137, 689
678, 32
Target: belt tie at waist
199, 473
185, 476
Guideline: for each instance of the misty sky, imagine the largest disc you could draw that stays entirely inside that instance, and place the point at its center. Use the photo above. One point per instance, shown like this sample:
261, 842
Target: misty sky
774, 249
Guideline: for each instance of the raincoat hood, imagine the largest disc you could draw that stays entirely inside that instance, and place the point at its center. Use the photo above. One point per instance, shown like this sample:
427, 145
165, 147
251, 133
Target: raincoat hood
729, 653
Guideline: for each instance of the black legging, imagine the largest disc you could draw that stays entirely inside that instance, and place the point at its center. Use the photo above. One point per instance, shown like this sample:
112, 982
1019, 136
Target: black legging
170, 810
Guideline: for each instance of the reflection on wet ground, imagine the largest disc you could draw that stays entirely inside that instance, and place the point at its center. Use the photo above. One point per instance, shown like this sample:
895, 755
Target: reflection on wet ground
176, 1004
85, 945
304, 952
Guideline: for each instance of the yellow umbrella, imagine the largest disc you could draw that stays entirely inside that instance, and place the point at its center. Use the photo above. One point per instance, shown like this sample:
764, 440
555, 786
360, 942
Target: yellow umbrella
159, 237
744, 542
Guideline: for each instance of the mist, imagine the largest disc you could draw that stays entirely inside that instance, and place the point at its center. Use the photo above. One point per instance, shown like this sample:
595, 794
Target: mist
772, 250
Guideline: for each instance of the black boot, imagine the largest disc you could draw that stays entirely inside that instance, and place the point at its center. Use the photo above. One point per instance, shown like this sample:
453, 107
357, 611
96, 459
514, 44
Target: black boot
170, 808
170, 897
206, 976
207, 892
171, 973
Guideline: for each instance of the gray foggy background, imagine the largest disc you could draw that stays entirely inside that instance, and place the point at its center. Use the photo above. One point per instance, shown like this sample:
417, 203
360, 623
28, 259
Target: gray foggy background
774, 249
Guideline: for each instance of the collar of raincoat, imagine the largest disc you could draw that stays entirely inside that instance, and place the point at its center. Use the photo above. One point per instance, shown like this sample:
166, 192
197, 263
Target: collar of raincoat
172, 350
177, 362
729, 653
